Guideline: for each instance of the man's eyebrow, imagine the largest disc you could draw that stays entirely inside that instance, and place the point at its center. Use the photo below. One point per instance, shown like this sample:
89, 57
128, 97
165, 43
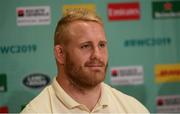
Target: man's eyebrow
104, 41
89, 42
86, 42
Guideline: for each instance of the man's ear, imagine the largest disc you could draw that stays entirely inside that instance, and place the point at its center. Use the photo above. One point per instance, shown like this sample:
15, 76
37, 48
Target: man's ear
59, 53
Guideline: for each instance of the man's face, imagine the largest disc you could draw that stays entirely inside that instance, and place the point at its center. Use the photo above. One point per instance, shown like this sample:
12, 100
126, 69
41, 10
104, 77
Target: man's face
86, 54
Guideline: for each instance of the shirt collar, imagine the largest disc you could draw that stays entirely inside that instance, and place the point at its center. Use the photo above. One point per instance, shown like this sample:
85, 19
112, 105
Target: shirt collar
70, 102
63, 96
103, 101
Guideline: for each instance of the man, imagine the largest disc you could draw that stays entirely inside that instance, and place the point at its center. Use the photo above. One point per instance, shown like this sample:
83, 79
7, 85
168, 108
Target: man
80, 48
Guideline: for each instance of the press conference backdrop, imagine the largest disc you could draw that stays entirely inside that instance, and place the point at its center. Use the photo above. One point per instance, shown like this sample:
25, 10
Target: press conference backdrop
143, 40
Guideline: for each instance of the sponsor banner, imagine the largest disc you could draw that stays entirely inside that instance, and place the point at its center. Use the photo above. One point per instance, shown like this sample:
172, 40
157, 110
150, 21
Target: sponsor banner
36, 80
167, 73
16, 49
147, 42
124, 11
130, 75
33, 15
69, 8
3, 82
168, 104
166, 9
3, 109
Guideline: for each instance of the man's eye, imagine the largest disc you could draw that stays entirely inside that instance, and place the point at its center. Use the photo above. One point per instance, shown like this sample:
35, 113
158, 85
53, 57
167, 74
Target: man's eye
102, 45
85, 46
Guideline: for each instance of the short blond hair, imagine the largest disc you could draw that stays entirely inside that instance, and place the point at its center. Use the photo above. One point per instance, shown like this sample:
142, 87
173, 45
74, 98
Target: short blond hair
69, 17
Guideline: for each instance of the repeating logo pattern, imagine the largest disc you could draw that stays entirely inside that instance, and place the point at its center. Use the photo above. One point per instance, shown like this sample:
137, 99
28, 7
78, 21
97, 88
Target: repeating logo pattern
167, 73
124, 11
168, 104
36, 80
164, 9
33, 15
130, 75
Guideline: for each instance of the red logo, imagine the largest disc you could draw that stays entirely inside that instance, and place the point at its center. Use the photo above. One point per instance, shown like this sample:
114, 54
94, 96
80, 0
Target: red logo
160, 102
20, 12
168, 6
124, 11
4, 109
114, 73
172, 72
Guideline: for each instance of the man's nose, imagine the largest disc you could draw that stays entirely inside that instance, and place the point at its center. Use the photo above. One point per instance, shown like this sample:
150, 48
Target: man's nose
96, 53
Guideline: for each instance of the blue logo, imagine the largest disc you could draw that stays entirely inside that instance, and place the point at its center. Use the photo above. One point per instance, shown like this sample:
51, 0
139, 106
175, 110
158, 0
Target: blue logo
36, 80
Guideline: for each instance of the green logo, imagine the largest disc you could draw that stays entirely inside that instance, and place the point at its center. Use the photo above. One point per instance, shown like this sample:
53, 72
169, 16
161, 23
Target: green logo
3, 83
147, 42
168, 9
16, 49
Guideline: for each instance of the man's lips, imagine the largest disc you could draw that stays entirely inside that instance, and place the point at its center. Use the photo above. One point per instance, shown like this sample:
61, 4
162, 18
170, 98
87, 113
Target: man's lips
96, 68
94, 65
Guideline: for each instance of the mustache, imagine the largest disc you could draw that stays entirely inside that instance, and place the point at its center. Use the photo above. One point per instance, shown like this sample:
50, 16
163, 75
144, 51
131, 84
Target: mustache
95, 63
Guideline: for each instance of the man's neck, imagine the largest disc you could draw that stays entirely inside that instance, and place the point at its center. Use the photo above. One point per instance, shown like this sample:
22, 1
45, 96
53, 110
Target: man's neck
88, 97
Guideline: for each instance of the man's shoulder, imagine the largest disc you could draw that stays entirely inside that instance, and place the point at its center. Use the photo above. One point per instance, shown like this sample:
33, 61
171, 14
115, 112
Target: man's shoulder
40, 102
129, 102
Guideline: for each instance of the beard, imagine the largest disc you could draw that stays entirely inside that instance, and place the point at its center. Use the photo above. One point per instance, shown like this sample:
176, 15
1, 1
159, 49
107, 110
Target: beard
82, 76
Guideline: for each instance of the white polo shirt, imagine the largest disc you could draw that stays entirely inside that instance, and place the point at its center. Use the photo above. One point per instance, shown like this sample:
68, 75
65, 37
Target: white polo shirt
53, 99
